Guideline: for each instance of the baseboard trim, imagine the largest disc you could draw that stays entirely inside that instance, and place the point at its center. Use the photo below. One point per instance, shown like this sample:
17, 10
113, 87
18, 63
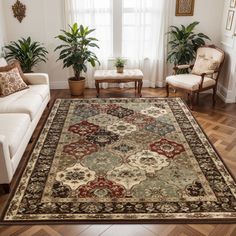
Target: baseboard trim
226, 95
59, 84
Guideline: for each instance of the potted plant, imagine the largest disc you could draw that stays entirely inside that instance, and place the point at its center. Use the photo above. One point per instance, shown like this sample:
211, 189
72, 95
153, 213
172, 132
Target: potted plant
119, 64
184, 43
27, 52
75, 52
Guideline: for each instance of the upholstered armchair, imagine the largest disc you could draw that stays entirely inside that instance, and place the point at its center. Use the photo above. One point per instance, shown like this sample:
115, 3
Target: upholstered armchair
203, 74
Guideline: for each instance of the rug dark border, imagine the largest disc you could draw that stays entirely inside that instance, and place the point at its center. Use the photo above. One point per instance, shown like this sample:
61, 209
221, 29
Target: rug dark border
21, 170
227, 168
115, 221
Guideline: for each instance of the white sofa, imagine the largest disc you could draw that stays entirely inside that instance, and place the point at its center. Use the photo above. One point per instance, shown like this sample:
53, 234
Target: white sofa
19, 115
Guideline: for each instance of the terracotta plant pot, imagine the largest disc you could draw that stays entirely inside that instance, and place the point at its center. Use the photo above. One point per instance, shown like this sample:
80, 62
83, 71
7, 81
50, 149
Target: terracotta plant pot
120, 69
76, 86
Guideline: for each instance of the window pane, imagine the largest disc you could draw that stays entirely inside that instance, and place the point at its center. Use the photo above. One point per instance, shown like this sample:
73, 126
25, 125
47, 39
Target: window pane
137, 27
129, 19
141, 4
148, 33
101, 4
129, 33
148, 18
129, 3
103, 19
96, 14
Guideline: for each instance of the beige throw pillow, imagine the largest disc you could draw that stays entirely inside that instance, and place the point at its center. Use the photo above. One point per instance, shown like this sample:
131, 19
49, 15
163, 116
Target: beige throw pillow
11, 82
12, 65
203, 65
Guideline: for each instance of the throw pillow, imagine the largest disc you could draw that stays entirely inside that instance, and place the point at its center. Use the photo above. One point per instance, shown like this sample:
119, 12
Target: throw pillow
12, 65
203, 64
11, 82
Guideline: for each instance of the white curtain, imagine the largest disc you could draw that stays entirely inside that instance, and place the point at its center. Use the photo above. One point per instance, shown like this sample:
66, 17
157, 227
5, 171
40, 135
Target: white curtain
96, 14
144, 26
144, 38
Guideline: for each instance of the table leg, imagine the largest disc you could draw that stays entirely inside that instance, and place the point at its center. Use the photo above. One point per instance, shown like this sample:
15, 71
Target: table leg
135, 85
97, 88
140, 85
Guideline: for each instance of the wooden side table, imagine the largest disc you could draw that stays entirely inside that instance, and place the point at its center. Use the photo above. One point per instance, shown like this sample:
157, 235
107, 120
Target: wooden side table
111, 76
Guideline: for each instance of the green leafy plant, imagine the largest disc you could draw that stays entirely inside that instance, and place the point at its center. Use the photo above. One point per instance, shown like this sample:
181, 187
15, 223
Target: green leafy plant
27, 52
184, 43
75, 50
119, 62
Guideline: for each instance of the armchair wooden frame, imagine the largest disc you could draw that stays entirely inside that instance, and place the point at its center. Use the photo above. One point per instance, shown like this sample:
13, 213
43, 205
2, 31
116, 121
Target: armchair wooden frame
192, 93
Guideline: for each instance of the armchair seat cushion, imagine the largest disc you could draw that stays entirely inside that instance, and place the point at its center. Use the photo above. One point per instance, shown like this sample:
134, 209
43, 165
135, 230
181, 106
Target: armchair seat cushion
189, 81
13, 127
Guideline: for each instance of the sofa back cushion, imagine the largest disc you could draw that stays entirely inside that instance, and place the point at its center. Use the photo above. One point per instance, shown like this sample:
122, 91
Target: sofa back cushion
11, 82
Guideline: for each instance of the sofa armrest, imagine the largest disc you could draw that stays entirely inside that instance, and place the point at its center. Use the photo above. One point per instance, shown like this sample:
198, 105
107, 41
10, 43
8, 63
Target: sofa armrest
6, 170
37, 78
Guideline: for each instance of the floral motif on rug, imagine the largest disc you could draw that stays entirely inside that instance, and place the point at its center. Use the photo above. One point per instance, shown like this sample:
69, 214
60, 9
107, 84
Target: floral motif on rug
122, 159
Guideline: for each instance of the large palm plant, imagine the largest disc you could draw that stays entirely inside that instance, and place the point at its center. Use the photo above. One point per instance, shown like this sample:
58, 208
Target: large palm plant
27, 52
184, 43
75, 49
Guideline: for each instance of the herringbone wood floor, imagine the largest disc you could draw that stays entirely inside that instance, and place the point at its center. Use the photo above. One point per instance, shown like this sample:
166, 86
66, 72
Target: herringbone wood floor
220, 126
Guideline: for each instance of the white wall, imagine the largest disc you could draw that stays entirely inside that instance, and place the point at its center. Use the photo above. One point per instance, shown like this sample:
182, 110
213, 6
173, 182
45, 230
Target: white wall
43, 22
44, 19
227, 84
2, 27
208, 13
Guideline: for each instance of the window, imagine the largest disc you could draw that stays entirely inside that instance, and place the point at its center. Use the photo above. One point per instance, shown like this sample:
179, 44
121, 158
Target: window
122, 26
136, 27
133, 29
96, 14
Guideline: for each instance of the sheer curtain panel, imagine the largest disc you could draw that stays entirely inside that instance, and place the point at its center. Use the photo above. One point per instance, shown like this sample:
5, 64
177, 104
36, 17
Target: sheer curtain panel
133, 29
144, 27
96, 14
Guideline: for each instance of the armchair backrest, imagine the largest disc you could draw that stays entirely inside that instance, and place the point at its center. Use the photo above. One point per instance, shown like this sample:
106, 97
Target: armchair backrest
209, 58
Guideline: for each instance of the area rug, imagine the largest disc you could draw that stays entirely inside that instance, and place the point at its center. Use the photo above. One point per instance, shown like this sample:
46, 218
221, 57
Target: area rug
126, 160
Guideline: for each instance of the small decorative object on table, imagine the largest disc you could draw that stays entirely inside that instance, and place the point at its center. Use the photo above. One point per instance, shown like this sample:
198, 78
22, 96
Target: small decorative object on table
119, 64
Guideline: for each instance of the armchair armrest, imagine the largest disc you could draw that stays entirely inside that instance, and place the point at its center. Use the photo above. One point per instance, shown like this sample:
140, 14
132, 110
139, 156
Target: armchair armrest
182, 66
208, 72
37, 78
6, 171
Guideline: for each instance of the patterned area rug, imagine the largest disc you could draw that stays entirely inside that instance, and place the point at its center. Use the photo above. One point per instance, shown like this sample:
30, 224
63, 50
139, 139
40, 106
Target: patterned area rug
126, 160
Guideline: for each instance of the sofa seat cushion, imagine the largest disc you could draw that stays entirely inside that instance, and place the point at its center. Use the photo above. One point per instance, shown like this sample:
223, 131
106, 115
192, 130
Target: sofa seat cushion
25, 101
41, 89
14, 128
189, 81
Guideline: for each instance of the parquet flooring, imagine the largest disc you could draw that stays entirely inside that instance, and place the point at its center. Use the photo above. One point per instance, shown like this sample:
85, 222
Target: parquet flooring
219, 125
